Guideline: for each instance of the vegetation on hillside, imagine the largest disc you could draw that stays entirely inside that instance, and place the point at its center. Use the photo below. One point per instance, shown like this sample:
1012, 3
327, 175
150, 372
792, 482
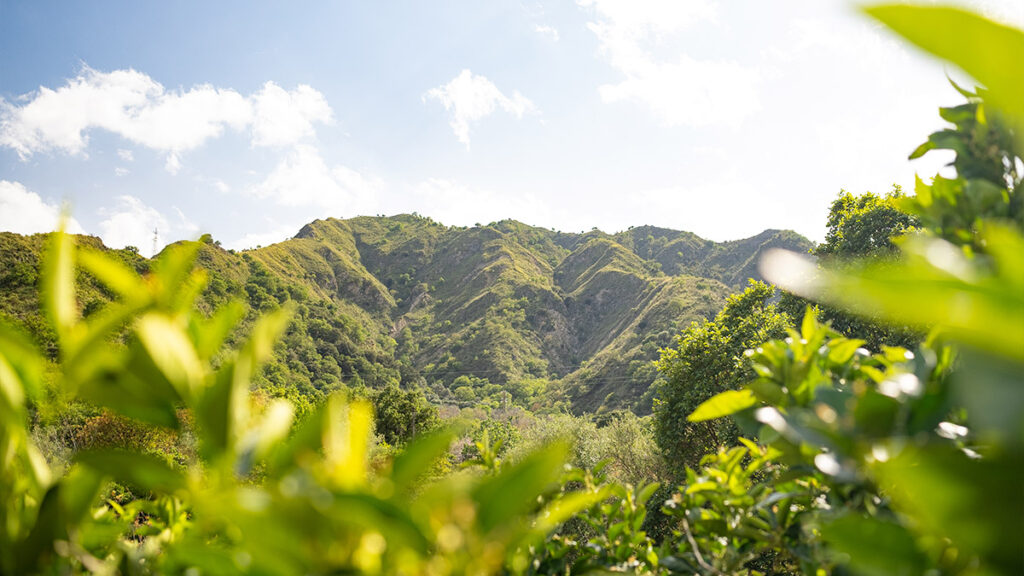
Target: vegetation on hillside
153, 427
558, 320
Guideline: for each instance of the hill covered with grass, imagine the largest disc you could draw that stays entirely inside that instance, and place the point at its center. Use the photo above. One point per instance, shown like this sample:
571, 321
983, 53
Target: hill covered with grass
479, 316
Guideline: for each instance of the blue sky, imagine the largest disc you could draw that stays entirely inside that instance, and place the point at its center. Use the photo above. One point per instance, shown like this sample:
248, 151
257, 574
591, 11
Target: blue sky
248, 119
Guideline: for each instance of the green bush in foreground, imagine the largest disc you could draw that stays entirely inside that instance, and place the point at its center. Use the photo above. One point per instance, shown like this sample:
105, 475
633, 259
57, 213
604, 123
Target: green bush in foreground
259, 495
921, 455
885, 462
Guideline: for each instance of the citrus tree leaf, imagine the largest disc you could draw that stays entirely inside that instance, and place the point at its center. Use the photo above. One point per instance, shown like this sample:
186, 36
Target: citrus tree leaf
988, 51
723, 404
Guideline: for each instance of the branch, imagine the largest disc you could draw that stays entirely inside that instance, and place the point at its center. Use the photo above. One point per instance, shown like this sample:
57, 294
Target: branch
696, 551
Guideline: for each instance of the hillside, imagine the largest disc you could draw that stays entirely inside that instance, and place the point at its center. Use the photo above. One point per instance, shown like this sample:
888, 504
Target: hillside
478, 316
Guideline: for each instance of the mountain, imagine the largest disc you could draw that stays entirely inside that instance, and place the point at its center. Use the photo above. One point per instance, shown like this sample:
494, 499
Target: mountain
481, 315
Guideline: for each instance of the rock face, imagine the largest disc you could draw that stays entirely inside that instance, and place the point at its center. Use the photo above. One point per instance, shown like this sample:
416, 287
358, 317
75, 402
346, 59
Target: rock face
406, 298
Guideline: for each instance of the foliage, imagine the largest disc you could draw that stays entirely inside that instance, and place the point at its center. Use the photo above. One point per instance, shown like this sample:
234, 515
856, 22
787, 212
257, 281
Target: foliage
865, 226
256, 496
987, 186
892, 461
920, 453
708, 359
741, 515
401, 415
558, 320
489, 440
607, 536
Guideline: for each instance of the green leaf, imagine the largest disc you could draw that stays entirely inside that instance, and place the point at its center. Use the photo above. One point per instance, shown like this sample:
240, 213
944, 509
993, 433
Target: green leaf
418, 457
172, 269
221, 411
265, 334
934, 285
126, 394
49, 526
561, 510
876, 414
90, 350
12, 394
723, 404
81, 489
372, 513
272, 429
809, 326
701, 487
921, 150
58, 283
306, 440
646, 492
976, 503
210, 335
112, 273
874, 547
64, 506
841, 350
990, 388
171, 352
23, 358
988, 51
504, 497
204, 557
766, 390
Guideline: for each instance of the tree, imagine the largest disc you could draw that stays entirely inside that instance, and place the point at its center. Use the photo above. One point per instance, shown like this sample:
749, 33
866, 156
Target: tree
403, 414
928, 444
865, 225
987, 187
861, 227
708, 359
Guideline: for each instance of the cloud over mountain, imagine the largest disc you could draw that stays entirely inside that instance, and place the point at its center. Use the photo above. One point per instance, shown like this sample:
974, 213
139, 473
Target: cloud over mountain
136, 107
470, 98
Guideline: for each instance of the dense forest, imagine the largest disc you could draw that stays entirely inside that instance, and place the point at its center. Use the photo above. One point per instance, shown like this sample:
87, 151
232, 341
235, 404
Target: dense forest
392, 395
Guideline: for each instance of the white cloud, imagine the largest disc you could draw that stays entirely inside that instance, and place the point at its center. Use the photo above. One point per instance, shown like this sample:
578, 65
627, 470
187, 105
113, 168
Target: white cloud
471, 98
178, 122
283, 118
24, 212
136, 107
548, 31
120, 171
125, 155
173, 163
132, 223
303, 178
639, 39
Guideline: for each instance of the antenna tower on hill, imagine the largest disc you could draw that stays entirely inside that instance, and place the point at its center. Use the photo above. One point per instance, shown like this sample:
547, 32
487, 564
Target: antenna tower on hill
156, 238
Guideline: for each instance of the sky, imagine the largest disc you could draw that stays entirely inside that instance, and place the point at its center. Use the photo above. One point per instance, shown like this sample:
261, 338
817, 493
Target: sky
247, 120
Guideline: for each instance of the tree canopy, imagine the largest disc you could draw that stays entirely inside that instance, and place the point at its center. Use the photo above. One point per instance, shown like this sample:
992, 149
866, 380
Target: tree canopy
706, 360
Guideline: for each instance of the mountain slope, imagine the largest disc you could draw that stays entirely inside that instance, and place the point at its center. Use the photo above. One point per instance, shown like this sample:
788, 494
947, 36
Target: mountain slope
478, 315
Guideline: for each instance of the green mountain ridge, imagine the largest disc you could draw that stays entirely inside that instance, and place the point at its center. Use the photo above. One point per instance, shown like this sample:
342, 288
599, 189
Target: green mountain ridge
477, 316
